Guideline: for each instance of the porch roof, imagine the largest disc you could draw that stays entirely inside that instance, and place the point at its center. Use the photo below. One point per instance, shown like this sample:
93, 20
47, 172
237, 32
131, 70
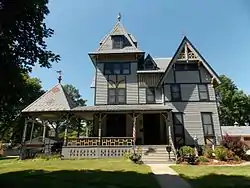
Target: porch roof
235, 130
120, 108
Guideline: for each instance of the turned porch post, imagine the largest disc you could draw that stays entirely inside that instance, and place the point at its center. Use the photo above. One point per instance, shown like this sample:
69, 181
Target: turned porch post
24, 130
134, 116
44, 131
165, 115
32, 129
100, 128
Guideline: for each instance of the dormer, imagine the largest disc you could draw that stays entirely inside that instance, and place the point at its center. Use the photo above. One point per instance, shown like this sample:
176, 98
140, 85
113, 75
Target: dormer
117, 44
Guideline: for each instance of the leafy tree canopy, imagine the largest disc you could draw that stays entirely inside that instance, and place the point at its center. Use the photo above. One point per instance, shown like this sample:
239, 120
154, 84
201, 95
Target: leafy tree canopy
234, 104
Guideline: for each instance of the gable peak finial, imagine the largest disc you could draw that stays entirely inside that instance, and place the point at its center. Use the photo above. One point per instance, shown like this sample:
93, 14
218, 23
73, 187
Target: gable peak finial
59, 72
119, 17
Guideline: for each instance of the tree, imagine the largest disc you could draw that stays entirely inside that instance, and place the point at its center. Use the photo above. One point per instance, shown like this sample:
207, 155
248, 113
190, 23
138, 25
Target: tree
22, 45
12, 123
74, 94
234, 104
75, 124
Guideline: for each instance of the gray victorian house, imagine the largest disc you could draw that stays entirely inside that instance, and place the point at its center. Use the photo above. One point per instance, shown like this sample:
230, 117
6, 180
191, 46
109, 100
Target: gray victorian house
139, 100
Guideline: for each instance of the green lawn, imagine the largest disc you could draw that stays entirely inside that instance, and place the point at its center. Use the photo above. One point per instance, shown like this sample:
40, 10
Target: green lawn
215, 177
101, 173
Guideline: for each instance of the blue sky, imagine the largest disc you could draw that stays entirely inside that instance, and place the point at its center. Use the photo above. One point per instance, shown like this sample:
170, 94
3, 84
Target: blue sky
220, 30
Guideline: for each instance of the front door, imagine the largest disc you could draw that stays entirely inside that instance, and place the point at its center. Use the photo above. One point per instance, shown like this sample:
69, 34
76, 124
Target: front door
151, 129
116, 125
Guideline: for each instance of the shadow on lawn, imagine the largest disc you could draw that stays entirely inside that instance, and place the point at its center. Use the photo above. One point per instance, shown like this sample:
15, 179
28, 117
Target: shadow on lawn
77, 178
218, 181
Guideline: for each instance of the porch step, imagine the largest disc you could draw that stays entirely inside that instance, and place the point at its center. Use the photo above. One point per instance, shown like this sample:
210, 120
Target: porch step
158, 162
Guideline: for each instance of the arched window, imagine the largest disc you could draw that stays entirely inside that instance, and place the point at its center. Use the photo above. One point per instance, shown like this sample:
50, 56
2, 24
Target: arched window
117, 92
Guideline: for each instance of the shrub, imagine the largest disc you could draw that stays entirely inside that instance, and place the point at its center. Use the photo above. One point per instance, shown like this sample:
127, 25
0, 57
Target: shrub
236, 158
221, 153
234, 144
186, 151
208, 152
203, 159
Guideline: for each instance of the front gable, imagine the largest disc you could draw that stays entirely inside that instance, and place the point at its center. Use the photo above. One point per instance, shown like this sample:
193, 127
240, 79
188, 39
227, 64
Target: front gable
129, 42
187, 53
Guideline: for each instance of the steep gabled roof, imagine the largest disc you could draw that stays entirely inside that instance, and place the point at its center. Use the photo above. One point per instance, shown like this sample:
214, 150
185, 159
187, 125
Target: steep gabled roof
106, 42
162, 62
56, 99
183, 54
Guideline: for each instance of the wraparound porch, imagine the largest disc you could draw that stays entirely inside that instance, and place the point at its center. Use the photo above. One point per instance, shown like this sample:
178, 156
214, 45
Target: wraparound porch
116, 129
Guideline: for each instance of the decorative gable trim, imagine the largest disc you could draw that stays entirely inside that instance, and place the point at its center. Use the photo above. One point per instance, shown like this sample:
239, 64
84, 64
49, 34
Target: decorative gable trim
187, 52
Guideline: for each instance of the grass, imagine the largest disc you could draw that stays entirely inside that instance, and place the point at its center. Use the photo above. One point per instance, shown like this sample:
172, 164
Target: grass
105, 173
215, 176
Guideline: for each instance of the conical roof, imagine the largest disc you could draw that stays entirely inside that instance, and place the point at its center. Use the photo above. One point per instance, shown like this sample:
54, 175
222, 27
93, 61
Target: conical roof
56, 99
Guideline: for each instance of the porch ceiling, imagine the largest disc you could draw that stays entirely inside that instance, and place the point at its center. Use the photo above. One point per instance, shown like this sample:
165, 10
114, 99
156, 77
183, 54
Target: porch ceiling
121, 108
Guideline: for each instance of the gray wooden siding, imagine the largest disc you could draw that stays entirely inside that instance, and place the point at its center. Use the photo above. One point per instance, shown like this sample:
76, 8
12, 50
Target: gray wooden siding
187, 76
205, 76
132, 85
170, 77
192, 118
158, 96
101, 85
142, 95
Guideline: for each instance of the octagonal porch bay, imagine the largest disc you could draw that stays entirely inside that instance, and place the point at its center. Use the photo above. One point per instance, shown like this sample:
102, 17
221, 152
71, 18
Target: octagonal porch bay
117, 128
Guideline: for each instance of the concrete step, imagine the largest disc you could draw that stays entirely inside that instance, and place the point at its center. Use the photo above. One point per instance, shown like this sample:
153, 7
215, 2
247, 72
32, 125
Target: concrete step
158, 162
156, 158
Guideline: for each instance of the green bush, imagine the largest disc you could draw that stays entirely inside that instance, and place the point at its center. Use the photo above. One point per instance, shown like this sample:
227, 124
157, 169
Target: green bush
221, 153
186, 151
203, 159
236, 158
208, 152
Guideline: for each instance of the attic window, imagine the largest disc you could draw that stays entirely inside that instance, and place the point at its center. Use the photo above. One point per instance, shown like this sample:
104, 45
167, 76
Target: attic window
117, 41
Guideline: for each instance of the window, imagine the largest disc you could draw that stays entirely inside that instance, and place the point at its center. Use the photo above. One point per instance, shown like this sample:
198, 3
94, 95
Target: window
203, 92
207, 123
117, 68
116, 96
108, 69
126, 68
117, 42
150, 95
179, 134
176, 92
186, 67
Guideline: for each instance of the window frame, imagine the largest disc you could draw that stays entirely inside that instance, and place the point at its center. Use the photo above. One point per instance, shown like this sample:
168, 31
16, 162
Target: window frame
208, 136
152, 90
116, 90
172, 92
181, 67
200, 91
117, 44
175, 124
111, 68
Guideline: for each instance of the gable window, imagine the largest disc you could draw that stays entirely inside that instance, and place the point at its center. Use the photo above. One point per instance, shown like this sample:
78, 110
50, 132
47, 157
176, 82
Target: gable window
150, 95
179, 134
208, 127
117, 68
175, 92
186, 66
203, 92
117, 41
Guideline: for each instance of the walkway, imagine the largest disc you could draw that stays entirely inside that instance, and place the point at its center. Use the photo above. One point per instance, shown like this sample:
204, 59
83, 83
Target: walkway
167, 177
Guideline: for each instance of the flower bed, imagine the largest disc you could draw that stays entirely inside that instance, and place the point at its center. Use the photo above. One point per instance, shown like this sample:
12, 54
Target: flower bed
229, 152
